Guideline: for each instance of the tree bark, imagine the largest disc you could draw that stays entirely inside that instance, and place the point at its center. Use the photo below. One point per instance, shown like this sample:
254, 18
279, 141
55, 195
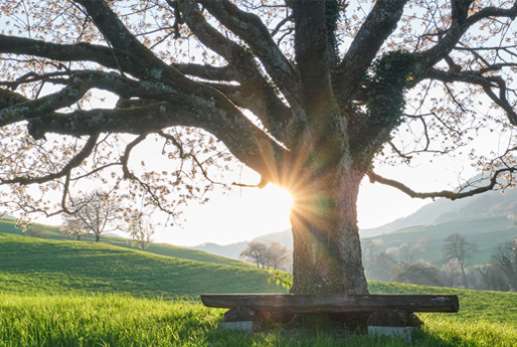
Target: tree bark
327, 251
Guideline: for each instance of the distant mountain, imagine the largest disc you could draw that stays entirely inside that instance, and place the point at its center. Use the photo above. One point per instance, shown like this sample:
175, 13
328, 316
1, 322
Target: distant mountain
285, 238
486, 205
487, 218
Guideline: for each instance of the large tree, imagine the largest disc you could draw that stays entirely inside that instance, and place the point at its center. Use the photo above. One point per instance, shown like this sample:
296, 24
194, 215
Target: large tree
309, 94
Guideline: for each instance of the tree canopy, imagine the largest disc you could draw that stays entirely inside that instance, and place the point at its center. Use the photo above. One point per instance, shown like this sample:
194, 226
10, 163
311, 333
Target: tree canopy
309, 94
204, 64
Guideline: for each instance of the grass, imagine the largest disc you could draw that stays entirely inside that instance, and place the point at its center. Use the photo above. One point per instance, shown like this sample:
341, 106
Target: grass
67, 293
53, 233
81, 266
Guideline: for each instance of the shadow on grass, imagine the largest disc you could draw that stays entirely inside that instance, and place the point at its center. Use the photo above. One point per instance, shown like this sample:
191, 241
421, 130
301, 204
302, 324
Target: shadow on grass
323, 338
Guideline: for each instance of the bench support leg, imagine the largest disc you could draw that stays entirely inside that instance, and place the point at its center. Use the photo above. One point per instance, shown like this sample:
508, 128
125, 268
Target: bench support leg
388, 323
393, 323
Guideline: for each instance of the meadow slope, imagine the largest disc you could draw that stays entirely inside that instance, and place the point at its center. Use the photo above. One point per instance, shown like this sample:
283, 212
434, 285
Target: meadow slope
68, 293
53, 233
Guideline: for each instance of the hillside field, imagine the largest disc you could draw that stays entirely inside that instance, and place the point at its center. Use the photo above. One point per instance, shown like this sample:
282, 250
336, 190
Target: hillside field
81, 293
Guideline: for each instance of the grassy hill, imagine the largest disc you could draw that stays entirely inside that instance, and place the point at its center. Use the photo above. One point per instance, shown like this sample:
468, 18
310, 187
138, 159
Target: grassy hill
68, 293
53, 233
82, 266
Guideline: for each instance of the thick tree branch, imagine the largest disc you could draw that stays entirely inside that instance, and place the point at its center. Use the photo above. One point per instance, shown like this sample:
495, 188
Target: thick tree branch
249, 28
255, 92
63, 52
247, 142
208, 72
122, 39
440, 194
49, 103
313, 54
379, 24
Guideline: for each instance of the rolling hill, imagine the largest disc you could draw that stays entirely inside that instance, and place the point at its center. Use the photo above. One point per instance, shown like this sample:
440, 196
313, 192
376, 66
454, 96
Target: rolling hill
70, 293
484, 206
53, 233
69, 266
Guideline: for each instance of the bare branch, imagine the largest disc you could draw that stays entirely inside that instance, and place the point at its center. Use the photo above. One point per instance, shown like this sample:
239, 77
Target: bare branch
486, 82
65, 171
440, 194
459, 26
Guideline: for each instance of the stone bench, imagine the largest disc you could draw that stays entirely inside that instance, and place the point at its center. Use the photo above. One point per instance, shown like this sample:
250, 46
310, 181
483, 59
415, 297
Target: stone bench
375, 314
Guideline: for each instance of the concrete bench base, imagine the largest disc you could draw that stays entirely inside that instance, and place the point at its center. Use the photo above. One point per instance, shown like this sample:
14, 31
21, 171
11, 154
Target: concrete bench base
244, 326
404, 332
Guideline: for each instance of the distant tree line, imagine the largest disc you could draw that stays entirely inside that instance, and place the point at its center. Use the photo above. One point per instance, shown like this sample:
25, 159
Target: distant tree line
402, 265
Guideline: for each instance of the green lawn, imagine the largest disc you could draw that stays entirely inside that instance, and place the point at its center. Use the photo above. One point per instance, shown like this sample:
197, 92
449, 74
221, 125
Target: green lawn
67, 293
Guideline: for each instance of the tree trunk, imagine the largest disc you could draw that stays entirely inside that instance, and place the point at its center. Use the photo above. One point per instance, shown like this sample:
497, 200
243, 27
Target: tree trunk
463, 275
97, 237
327, 250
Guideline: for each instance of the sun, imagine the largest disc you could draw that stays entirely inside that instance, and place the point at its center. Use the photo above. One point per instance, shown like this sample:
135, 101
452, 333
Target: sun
278, 198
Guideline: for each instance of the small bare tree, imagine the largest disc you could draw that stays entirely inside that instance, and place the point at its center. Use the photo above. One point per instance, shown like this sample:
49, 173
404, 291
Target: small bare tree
276, 255
492, 278
140, 230
457, 247
73, 227
273, 255
95, 213
505, 260
257, 252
